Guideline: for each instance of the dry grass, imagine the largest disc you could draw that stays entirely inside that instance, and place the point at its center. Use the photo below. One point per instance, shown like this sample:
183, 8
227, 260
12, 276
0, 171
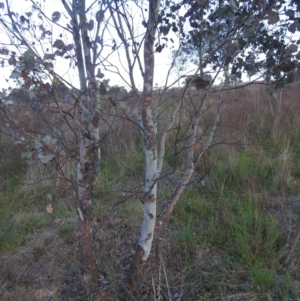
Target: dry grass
235, 238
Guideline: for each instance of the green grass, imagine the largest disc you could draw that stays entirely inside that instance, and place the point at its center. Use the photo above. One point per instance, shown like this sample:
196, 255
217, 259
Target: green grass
253, 234
62, 210
14, 232
262, 279
21, 216
248, 172
204, 282
248, 238
22, 213
285, 288
66, 232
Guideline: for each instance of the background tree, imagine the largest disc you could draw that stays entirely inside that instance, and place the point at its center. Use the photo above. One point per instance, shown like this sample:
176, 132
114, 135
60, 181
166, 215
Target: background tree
253, 37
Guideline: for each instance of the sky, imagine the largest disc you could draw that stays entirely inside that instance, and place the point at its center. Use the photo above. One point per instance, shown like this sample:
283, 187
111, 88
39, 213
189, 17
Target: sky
66, 68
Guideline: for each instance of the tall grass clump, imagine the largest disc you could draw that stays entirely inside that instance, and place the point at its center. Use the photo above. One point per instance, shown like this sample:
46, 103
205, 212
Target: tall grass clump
252, 235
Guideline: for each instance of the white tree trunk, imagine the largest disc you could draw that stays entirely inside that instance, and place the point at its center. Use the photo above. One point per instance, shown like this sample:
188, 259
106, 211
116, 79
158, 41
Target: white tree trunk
150, 143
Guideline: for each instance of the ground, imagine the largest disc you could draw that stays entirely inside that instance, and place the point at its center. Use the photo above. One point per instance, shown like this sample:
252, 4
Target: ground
47, 266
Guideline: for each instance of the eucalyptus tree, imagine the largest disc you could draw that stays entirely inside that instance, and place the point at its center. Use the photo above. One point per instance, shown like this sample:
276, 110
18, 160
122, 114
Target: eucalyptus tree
145, 116
54, 54
256, 36
157, 112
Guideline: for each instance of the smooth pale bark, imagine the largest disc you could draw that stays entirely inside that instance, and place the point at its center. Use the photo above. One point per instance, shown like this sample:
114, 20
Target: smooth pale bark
192, 160
150, 143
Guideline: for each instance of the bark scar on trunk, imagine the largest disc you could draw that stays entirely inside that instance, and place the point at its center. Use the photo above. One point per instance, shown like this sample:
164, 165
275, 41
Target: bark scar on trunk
149, 235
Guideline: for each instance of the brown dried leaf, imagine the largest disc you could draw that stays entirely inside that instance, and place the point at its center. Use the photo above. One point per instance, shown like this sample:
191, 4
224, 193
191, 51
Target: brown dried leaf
159, 48
49, 208
23, 19
68, 98
12, 61
46, 87
291, 77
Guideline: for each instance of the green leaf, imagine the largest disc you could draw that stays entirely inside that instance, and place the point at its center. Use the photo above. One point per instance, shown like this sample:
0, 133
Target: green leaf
122, 104
269, 91
59, 44
292, 28
165, 29
26, 155
223, 11
100, 16
45, 158
69, 47
55, 16
49, 141
37, 144
91, 25
234, 5
15, 74
28, 54
6, 130
293, 48
49, 56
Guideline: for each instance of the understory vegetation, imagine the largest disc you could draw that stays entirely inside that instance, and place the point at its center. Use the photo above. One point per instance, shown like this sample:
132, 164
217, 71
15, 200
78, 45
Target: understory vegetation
234, 235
